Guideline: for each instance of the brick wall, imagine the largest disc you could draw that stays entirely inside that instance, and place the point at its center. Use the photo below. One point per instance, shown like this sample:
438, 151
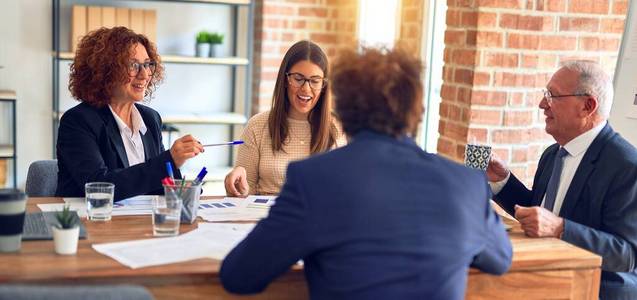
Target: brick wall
281, 23
411, 19
499, 55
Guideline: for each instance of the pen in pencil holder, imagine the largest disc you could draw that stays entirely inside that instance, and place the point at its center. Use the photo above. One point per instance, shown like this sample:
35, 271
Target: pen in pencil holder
189, 192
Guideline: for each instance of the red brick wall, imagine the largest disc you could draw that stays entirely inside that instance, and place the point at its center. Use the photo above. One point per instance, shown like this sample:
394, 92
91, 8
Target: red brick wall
499, 55
411, 19
280, 23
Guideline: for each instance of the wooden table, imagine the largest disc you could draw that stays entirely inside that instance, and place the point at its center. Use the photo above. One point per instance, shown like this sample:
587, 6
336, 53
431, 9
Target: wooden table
541, 267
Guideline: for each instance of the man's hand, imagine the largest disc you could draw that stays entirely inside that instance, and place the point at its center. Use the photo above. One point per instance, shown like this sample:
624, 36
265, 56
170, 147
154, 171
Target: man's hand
497, 169
539, 222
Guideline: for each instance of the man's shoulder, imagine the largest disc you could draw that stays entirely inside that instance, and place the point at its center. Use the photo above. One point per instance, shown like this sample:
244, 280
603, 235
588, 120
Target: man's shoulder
619, 150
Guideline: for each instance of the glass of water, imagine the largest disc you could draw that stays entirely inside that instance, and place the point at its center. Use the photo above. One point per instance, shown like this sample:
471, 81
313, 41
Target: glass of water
99, 200
166, 214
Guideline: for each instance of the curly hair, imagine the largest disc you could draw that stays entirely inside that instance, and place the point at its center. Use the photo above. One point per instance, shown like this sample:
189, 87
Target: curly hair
378, 89
101, 64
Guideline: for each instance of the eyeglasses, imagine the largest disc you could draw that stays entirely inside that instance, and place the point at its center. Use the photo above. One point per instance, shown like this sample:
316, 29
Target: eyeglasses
134, 68
298, 80
549, 96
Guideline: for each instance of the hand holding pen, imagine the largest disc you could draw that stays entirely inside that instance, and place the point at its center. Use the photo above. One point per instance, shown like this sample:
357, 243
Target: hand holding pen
184, 148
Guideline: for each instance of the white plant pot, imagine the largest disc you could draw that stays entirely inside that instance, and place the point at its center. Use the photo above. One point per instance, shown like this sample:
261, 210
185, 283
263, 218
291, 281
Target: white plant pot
65, 240
216, 50
202, 50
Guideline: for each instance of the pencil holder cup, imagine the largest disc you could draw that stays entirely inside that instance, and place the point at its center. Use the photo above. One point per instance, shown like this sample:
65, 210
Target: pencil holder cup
189, 193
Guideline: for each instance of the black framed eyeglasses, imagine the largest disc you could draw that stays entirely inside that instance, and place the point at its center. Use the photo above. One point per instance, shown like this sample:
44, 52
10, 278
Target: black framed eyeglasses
298, 80
549, 96
135, 67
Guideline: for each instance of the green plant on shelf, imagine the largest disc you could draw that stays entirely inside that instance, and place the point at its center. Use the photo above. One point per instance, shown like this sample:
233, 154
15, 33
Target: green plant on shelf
203, 37
216, 38
67, 218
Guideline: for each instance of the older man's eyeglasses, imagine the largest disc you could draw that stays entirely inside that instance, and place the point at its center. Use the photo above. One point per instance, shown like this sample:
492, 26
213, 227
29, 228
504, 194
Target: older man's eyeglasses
135, 67
298, 80
550, 97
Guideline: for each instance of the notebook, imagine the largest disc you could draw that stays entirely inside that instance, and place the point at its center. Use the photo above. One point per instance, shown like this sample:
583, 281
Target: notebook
37, 226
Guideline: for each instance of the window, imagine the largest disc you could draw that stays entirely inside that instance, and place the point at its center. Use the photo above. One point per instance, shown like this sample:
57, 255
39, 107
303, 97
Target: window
378, 22
433, 47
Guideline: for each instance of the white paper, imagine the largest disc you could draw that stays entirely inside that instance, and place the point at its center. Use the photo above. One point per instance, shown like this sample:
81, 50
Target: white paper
252, 208
207, 241
134, 206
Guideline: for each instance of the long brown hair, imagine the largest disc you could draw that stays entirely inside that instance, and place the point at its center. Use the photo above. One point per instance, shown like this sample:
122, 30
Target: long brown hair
320, 117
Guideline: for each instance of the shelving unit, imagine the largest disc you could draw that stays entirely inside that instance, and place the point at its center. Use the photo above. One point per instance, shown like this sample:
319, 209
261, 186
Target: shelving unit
239, 61
9, 151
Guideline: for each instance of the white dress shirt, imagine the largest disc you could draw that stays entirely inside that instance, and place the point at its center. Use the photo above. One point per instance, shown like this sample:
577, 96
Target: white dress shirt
132, 138
576, 149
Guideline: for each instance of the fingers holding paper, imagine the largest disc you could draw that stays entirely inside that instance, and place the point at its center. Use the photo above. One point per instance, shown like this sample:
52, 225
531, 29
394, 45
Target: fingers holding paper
539, 222
184, 148
236, 183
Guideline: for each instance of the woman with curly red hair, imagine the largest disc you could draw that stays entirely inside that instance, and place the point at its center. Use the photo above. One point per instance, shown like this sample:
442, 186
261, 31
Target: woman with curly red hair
109, 137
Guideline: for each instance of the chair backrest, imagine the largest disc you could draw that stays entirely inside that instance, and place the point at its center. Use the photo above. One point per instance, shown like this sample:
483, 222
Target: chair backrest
42, 178
110, 292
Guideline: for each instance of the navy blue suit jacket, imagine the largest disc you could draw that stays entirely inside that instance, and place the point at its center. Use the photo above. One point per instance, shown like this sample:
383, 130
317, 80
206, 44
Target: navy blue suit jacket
599, 209
376, 219
90, 148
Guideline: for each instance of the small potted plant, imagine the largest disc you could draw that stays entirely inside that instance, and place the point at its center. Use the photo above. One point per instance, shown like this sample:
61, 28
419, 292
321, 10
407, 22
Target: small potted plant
67, 232
216, 41
202, 47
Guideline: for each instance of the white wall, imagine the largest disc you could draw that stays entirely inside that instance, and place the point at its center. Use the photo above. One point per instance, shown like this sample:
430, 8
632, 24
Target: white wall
623, 116
25, 43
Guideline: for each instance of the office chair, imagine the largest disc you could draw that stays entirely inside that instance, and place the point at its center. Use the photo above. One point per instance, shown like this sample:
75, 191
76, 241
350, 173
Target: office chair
42, 178
101, 292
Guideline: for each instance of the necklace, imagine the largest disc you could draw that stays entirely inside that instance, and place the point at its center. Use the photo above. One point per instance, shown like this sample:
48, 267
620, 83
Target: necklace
300, 132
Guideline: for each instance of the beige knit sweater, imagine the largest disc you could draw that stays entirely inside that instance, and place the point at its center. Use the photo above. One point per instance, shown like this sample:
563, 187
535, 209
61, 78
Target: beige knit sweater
266, 169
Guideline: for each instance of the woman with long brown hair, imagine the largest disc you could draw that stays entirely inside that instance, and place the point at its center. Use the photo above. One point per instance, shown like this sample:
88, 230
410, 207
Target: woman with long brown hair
299, 124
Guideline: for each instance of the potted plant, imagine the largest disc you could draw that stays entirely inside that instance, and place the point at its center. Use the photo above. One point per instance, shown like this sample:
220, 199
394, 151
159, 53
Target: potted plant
216, 39
202, 47
67, 232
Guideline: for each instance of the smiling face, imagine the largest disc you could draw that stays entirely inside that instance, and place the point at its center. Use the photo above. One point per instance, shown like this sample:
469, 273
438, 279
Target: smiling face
304, 98
566, 117
135, 88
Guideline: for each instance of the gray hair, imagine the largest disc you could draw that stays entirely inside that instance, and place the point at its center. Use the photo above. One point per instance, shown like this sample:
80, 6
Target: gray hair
593, 81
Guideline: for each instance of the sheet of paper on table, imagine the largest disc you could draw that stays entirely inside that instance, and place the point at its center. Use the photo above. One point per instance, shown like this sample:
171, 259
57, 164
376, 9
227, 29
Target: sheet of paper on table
138, 205
252, 208
209, 240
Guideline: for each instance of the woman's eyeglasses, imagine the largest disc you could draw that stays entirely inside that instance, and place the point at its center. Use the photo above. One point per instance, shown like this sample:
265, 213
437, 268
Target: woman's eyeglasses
298, 80
135, 67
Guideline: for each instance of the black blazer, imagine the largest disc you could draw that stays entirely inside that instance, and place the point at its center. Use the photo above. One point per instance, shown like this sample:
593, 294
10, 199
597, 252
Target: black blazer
90, 148
376, 219
599, 209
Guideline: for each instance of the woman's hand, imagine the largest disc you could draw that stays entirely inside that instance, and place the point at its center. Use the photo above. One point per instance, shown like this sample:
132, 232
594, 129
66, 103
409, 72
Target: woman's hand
184, 148
236, 183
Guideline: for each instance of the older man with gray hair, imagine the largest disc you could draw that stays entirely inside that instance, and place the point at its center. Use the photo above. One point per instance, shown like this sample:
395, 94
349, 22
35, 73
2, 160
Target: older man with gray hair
585, 188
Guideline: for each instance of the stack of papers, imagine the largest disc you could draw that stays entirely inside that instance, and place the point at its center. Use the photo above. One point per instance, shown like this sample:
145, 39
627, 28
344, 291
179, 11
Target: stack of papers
207, 241
252, 208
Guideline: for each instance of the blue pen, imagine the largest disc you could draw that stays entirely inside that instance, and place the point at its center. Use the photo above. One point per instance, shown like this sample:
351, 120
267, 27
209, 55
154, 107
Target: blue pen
238, 142
200, 177
169, 170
